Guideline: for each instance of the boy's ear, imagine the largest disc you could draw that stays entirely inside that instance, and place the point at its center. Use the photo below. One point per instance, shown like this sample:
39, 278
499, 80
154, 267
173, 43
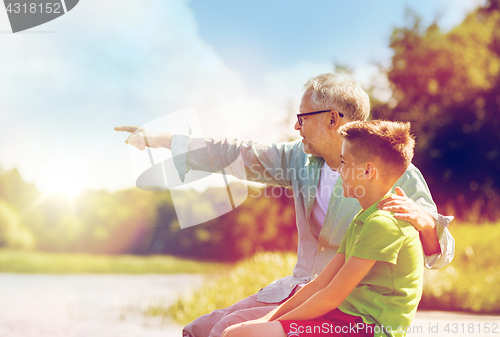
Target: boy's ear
370, 171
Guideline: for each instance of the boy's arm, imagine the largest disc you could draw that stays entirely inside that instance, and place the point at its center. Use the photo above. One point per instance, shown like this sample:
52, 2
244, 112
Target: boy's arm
310, 289
330, 297
379, 239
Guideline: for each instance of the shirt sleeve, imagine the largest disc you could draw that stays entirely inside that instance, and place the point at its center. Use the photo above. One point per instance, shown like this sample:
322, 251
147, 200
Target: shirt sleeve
380, 239
446, 242
413, 184
265, 163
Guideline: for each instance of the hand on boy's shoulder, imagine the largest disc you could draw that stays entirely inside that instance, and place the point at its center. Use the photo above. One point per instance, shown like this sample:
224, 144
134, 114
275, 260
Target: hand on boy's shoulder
405, 209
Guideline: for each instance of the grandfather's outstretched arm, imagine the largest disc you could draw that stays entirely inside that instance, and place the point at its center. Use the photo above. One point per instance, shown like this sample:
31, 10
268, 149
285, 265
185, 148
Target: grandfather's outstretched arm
142, 138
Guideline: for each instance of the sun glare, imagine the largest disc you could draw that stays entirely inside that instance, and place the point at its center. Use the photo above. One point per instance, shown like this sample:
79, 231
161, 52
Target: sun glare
63, 178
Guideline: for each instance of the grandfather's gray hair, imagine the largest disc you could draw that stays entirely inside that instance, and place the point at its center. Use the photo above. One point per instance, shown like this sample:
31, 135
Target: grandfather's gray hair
341, 92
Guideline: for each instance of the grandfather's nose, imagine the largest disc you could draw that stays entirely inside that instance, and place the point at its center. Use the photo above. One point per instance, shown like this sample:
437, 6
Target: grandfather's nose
297, 126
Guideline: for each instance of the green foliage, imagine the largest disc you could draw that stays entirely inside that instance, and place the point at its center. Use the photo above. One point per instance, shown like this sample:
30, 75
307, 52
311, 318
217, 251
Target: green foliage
15, 190
58, 263
265, 221
472, 281
118, 222
12, 233
245, 279
447, 85
94, 222
139, 222
14, 194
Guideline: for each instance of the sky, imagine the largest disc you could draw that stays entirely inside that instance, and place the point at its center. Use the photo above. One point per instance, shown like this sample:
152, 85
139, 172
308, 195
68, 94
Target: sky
240, 65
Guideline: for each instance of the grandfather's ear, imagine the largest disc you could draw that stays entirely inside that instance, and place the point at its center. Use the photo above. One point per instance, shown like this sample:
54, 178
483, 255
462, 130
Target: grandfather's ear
334, 120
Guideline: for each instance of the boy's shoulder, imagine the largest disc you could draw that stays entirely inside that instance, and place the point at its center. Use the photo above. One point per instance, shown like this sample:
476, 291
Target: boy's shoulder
385, 220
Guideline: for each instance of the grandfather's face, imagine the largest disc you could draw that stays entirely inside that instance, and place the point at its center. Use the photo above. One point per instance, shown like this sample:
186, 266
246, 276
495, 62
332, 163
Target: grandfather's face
313, 128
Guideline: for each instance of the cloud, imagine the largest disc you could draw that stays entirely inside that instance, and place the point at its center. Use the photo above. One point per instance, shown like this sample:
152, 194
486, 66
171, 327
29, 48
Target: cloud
110, 63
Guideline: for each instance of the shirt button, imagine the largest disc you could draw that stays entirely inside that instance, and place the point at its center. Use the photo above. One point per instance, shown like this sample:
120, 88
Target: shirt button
322, 249
315, 275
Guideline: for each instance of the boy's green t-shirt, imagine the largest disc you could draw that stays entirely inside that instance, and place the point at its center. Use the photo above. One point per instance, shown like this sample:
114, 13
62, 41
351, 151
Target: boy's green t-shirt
389, 294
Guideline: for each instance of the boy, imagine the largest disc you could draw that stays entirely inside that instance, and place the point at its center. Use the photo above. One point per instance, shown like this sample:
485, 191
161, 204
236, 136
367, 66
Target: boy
372, 286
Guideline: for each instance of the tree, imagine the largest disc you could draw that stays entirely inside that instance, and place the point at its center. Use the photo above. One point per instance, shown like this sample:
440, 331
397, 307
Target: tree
447, 84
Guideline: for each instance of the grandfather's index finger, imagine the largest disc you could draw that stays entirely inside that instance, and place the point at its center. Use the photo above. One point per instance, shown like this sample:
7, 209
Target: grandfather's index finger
127, 128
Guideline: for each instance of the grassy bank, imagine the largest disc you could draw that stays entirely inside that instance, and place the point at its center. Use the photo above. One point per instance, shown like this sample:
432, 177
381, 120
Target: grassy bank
245, 279
471, 282
51, 263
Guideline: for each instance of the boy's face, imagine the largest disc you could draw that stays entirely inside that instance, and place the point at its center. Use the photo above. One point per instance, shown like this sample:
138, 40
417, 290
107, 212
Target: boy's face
352, 173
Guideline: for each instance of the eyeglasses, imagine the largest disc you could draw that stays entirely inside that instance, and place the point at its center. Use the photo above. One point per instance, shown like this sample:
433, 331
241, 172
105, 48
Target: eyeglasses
299, 116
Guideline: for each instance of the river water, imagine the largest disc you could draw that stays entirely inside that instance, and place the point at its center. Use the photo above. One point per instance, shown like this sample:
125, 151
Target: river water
42, 305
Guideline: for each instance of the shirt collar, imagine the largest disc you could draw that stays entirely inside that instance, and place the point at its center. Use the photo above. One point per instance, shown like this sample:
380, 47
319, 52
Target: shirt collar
311, 159
364, 215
